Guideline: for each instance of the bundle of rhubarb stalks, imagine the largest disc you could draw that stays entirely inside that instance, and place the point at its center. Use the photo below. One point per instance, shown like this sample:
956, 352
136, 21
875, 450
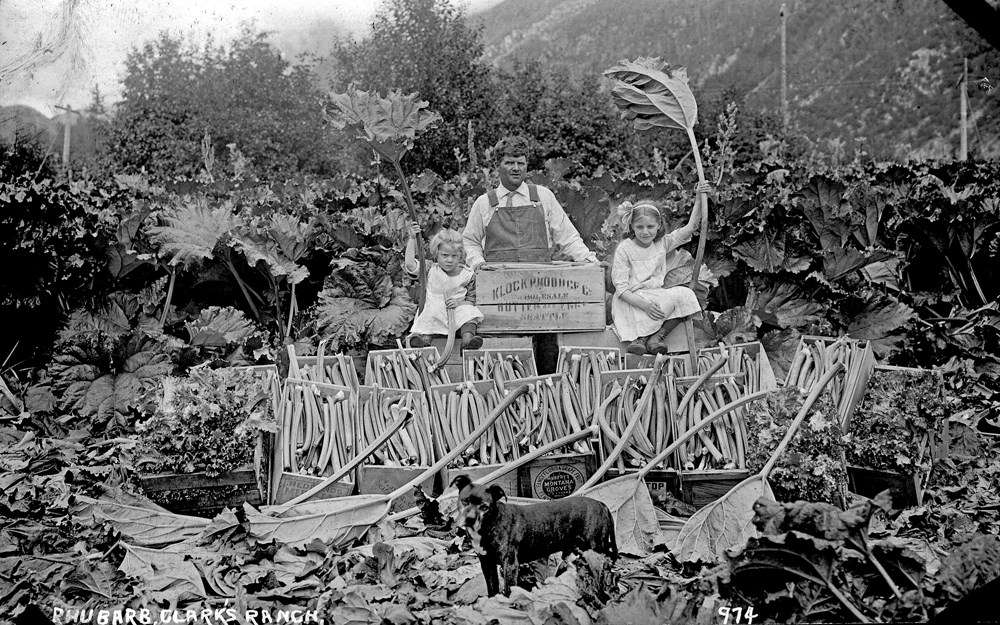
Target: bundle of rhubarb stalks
546, 412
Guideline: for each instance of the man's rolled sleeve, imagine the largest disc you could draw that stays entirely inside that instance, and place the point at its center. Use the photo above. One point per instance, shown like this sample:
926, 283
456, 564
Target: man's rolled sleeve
472, 236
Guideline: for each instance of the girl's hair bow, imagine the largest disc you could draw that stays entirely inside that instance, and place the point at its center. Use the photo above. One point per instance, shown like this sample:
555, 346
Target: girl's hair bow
625, 210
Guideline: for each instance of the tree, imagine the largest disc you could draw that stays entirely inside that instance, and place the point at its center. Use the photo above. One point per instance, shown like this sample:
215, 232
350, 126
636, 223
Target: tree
425, 46
565, 117
244, 95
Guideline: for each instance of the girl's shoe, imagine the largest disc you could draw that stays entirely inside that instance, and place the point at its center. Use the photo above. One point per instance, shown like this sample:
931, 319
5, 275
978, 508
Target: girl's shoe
637, 347
420, 340
475, 342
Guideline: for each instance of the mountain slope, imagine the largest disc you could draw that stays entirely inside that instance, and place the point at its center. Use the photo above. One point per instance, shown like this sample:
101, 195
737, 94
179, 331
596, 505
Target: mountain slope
879, 76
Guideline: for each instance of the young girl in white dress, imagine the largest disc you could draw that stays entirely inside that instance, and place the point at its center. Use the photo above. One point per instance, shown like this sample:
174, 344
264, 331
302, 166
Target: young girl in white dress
644, 312
450, 285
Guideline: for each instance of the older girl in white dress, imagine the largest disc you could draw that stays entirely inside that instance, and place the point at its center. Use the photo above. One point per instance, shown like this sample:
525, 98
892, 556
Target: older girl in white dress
645, 312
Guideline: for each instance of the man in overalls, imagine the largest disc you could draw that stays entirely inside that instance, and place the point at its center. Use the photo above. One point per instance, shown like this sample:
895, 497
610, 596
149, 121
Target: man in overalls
519, 222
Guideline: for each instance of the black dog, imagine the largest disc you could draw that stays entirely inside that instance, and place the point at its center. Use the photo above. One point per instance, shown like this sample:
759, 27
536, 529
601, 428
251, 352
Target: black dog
510, 535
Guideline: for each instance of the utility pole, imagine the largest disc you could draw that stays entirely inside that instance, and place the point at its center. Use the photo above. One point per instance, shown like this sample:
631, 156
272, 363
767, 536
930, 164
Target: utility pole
963, 148
784, 69
67, 123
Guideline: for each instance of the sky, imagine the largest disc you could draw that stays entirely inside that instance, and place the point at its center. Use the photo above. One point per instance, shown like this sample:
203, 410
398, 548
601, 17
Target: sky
53, 52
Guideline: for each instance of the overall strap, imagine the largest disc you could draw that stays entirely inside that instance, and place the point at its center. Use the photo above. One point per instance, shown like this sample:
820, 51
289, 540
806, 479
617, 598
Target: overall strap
533, 193
492, 197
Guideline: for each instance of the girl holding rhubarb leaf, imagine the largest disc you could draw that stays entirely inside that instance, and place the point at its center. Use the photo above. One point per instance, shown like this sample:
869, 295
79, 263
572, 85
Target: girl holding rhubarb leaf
450, 286
644, 312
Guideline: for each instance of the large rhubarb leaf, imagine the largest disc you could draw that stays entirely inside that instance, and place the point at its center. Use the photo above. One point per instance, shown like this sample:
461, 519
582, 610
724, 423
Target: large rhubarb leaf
766, 253
784, 306
269, 253
219, 327
193, 231
723, 524
390, 125
102, 376
361, 304
652, 95
879, 319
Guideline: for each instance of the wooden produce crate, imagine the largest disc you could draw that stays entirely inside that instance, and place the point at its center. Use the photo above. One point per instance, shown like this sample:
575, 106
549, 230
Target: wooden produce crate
198, 494
540, 297
503, 364
381, 480
458, 409
700, 488
291, 485
408, 453
898, 432
807, 367
610, 414
409, 368
905, 490
336, 369
556, 476
583, 367
318, 428
604, 338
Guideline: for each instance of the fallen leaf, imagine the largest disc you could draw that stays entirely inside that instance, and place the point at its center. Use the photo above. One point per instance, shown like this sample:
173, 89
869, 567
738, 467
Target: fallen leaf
167, 576
145, 526
722, 524
355, 610
343, 521
637, 529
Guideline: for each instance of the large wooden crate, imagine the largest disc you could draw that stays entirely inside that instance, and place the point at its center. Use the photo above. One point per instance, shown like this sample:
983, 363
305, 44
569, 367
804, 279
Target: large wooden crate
198, 494
536, 297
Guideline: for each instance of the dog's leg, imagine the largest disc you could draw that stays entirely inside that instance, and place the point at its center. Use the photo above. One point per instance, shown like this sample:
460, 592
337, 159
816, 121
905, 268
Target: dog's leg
510, 569
489, 566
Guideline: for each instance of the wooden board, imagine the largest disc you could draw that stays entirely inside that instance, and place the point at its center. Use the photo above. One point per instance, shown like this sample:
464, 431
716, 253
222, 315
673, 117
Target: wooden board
530, 318
532, 283
291, 485
700, 488
198, 494
382, 480
525, 298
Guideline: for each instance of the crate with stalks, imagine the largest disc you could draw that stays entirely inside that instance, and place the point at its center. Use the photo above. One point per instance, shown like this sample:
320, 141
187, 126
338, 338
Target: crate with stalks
815, 355
336, 369
707, 462
318, 427
547, 412
415, 369
498, 364
458, 409
408, 452
583, 367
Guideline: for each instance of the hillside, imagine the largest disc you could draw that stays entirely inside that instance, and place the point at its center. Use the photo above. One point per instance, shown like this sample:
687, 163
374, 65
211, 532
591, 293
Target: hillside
882, 77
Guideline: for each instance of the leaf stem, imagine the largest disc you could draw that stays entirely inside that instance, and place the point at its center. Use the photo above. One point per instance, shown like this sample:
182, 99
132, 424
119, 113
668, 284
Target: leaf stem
422, 269
170, 296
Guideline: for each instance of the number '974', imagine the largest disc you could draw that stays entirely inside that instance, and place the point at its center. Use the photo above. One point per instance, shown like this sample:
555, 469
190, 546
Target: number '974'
739, 616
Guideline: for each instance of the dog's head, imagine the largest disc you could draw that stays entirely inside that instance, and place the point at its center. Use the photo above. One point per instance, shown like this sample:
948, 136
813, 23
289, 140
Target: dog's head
475, 502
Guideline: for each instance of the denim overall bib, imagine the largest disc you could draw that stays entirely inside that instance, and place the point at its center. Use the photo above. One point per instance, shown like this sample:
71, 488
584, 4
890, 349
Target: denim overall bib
517, 234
